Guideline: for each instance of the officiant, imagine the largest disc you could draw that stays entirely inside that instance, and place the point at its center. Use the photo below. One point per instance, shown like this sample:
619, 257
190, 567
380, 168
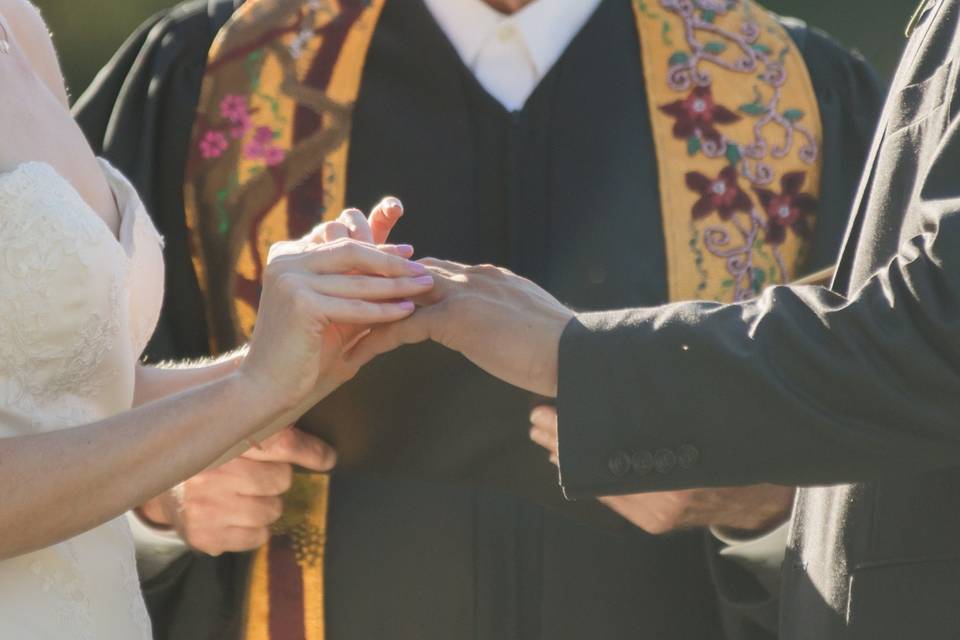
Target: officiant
546, 136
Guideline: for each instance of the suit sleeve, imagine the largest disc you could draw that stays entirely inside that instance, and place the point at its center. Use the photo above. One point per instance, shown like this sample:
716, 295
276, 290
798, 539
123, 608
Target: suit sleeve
802, 386
850, 96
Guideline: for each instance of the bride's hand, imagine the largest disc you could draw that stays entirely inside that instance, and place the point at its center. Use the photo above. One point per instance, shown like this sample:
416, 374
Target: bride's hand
311, 294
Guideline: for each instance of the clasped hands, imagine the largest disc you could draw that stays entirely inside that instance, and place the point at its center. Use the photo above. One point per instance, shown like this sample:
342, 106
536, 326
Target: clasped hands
503, 323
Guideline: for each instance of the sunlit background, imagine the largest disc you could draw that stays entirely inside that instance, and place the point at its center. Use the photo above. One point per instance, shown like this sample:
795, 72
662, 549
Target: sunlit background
88, 31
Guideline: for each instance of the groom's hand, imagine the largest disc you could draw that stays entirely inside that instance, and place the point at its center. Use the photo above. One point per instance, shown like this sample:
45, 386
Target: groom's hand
740, 511
231, 507
503, 323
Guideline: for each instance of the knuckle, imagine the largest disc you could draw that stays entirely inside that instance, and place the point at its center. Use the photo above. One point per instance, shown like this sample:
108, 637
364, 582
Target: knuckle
274, 509
286, 283
283, 480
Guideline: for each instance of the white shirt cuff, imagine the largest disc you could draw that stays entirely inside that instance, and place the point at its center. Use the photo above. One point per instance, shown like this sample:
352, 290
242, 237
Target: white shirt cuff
156, 548
762, 556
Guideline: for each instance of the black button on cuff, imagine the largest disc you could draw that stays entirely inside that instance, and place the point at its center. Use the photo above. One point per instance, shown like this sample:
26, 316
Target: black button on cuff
642, 462
619, 464
688, 455
664, 460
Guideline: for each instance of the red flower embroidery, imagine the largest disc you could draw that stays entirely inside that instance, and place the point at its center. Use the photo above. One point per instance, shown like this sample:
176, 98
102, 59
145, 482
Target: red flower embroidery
697, 113
787, 209
723, 194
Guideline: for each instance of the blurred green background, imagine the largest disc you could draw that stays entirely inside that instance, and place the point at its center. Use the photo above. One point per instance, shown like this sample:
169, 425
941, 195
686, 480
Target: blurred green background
88, 31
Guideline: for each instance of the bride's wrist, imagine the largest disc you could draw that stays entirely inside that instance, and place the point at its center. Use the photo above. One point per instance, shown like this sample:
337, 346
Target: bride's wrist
256, 398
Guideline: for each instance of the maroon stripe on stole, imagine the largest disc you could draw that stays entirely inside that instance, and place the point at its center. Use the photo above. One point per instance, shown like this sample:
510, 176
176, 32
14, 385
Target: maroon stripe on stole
306, 201
286, 591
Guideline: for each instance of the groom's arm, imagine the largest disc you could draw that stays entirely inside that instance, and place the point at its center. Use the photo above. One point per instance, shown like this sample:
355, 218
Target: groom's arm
801, 386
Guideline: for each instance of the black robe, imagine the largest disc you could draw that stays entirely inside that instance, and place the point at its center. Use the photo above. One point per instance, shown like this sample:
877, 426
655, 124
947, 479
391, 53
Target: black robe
565, 192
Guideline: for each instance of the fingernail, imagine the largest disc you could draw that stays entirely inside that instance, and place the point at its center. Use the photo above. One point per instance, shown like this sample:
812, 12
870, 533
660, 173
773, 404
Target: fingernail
406, 305
405, 248
392, 203
423, 281
418, 269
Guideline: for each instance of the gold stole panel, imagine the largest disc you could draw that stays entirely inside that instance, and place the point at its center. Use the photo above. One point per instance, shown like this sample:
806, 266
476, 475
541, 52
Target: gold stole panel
737, 134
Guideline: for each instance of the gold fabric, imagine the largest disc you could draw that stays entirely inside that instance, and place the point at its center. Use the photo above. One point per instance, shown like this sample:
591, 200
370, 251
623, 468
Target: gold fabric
737, 133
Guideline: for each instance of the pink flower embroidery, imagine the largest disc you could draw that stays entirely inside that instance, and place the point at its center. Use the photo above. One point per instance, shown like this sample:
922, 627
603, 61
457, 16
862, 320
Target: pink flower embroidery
233, 107
261, 148
263, 135
212, 145
274, 156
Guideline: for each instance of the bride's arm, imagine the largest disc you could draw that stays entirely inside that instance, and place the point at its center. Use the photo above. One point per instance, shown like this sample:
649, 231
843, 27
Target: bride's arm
36, 43
159, 381
59, 484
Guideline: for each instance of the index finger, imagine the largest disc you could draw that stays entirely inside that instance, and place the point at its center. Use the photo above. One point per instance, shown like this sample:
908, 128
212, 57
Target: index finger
346, 255
384, 217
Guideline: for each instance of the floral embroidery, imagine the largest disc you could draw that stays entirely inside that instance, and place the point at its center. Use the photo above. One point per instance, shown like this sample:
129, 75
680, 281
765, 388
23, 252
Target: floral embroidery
696, 115
788, 209
722, 195
262, 148
235, 109
743, 47
213, 144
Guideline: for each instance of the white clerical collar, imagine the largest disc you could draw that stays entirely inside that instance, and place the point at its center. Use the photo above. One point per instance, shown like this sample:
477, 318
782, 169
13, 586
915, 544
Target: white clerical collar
546, 26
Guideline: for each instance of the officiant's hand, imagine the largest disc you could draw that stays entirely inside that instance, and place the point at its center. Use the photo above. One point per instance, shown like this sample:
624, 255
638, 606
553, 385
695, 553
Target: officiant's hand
750, 510
231, 507
503, 323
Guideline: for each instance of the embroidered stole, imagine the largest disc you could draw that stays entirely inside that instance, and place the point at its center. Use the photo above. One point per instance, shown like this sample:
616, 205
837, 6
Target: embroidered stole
736, 130
734, 117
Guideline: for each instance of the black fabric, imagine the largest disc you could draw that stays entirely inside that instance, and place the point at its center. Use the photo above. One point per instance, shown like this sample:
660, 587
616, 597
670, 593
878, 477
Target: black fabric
565, 192
811, 386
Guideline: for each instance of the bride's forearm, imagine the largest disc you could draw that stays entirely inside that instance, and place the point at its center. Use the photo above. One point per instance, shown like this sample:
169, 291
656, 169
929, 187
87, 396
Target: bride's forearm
58, 484
159, 381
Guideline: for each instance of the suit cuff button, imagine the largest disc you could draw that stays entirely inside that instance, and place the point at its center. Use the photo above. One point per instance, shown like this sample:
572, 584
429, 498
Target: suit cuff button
642, 462
619, 464
688, 455
664, 460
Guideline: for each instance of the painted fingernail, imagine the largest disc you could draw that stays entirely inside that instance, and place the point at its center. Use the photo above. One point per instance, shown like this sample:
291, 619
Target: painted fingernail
405, 248
406, 305
423, 281
418, 269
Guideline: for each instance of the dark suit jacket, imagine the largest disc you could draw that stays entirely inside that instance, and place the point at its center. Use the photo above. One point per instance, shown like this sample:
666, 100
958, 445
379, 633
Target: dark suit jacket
858, 384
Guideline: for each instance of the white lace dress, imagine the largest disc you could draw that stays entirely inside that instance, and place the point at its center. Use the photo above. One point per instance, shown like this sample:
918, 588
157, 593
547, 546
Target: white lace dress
77, 307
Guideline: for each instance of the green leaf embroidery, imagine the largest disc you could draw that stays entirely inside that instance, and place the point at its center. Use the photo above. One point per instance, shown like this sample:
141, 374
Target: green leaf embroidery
761, 48
709, 16
753, 109
726, 284
715, 47
759, 279
679, 57
693, 145
733, 153
793, 114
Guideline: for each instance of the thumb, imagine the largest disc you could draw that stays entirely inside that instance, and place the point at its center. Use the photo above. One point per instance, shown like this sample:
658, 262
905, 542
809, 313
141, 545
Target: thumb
384, 217
293, 446
310, 452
